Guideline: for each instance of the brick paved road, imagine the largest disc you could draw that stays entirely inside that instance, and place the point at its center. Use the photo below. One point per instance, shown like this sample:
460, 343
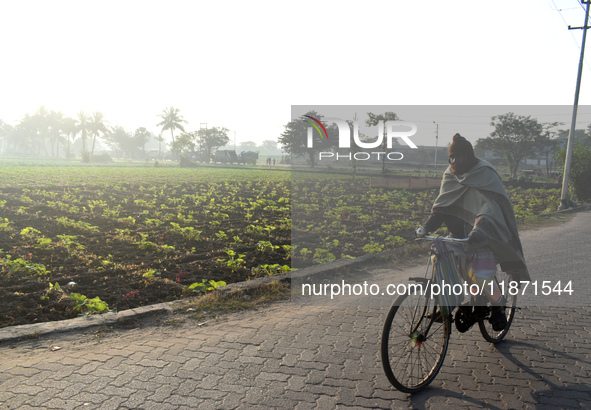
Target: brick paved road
286, 356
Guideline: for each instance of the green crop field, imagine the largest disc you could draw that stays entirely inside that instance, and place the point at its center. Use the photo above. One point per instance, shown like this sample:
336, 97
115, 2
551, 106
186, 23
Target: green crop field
79, 240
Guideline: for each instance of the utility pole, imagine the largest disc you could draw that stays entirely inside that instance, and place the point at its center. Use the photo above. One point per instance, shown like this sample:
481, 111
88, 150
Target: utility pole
436, 140
571, 136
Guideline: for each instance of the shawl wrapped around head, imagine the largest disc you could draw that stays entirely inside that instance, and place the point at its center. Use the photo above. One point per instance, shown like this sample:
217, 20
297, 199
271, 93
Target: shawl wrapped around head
478, 197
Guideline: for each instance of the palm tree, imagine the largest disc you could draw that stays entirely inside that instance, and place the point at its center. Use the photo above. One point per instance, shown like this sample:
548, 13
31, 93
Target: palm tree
83, 126
160, 140
142, 137
171, 120
5, 130
69, 128
97, 125
56, 126
25, 136
41, 123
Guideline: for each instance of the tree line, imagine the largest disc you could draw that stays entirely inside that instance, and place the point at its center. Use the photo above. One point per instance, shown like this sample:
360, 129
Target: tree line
50, 133
514, 138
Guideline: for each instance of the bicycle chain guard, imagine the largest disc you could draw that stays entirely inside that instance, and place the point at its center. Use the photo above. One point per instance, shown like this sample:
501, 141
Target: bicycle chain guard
464, 319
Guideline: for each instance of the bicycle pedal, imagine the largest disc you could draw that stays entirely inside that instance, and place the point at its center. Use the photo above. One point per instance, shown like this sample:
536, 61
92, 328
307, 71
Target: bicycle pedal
498, 320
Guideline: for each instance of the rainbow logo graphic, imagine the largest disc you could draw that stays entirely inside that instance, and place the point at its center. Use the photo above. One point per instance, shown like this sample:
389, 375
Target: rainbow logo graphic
316, 126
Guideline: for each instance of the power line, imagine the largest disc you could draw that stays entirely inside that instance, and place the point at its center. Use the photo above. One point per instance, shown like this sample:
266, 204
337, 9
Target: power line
563, 19
568, 25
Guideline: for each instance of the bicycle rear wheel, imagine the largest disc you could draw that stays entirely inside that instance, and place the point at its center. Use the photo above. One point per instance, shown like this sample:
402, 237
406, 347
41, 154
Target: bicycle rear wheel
415, 337
489, 334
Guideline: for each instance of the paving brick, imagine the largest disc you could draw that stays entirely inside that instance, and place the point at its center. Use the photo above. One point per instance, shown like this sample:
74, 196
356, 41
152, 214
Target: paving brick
114, 403
188, 401
24, 371
95, 398
136, 400
16, 401
231, 400
71, 390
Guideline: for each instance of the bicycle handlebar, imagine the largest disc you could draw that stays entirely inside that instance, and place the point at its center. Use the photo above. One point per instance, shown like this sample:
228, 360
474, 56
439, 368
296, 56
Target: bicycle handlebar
444, 238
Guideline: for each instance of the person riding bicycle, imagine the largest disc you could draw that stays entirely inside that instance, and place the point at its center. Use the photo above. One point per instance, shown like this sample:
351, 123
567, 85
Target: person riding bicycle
472, 203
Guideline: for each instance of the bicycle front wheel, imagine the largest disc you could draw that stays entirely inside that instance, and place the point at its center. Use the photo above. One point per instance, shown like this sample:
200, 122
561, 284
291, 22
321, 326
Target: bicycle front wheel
415, 337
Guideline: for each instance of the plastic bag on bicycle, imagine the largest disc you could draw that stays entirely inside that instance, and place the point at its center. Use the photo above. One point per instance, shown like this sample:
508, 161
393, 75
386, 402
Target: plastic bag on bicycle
447, 276
479, 268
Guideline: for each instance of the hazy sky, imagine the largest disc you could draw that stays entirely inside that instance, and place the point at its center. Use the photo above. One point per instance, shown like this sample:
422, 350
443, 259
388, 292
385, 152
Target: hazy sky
243, 64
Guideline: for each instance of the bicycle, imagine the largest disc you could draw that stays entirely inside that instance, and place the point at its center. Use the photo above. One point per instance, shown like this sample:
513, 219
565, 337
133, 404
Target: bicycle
416, 331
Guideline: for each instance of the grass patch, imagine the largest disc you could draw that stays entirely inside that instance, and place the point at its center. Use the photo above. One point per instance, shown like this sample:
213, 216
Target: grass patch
174, 322
542, 221
219, 303
102, 332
